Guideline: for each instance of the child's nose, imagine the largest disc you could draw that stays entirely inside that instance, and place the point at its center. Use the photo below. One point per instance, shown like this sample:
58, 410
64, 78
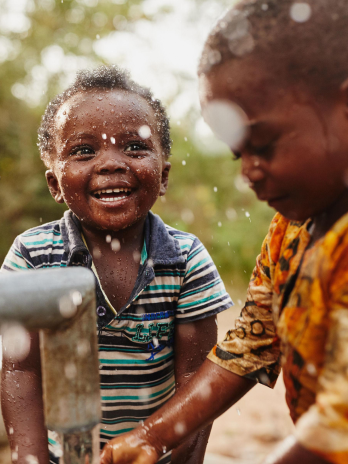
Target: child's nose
110, 161
252, 168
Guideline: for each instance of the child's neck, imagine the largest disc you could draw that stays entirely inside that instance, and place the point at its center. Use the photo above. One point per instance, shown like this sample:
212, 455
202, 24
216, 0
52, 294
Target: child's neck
131, 238
116, 256
324, 221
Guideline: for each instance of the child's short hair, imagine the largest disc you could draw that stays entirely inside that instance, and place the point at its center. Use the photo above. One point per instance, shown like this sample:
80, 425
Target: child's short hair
301, 42
103, 78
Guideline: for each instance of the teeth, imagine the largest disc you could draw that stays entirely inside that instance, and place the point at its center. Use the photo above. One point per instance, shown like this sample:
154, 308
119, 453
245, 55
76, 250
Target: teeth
115, 190
112, 199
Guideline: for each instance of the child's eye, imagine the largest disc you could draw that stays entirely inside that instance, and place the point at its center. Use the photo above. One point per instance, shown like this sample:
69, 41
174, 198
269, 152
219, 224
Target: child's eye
236, 155
135, 147
82, 151
263, 150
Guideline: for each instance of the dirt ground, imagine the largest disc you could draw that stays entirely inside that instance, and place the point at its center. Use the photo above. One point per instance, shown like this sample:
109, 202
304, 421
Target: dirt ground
256, 424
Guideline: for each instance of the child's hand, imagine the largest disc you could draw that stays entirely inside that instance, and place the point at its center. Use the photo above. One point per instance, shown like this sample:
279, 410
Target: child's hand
130, 448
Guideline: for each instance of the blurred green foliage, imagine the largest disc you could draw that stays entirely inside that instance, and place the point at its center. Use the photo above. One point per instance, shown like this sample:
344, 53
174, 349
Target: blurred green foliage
202, 197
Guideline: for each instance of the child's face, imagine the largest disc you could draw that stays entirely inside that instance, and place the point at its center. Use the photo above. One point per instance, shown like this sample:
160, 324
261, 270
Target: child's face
294, 154
108, 174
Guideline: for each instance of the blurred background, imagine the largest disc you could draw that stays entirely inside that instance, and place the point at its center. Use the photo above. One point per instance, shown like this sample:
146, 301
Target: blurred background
42, 45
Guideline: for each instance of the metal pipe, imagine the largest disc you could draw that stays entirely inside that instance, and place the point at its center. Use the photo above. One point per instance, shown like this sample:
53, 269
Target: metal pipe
61, 304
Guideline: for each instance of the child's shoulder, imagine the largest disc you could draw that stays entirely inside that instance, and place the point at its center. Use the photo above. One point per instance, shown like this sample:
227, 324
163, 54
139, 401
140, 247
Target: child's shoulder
36, 248
44, 233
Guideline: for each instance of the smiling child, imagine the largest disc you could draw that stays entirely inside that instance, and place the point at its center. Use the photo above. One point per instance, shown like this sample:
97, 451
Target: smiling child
278, 71
105, 142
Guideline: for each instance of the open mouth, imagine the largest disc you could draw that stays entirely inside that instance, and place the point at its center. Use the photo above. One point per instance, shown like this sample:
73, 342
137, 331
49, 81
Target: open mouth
114, 194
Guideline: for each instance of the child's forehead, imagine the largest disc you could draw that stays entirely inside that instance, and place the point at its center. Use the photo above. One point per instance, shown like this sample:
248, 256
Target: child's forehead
249, 84
99, 103
103, 97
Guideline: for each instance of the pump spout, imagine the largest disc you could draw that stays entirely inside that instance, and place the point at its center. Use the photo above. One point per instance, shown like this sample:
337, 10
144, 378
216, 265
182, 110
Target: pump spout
61, 304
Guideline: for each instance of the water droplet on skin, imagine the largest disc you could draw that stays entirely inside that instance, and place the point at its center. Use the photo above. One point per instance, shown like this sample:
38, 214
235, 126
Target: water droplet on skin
104, 136
10, 431
14, 456
113, 140
164, 449
238, 411
300, 12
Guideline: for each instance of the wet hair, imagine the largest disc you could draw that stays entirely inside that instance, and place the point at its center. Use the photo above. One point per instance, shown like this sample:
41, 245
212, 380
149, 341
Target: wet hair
302, 42
102, 78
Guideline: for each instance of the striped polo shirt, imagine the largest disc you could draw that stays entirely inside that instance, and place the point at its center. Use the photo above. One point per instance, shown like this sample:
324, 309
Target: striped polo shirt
177, 283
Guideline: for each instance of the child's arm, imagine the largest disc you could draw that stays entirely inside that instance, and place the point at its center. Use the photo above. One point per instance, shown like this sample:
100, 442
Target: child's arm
22, 406
193, 341
191, 406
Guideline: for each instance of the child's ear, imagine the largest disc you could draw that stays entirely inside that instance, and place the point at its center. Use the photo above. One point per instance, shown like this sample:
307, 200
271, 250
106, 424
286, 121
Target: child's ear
54, 186
165, 175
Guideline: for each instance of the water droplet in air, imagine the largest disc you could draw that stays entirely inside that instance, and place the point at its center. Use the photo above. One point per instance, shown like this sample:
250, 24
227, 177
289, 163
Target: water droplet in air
104, 136
144, 132
300, 12
30, 459
76, 297
187, 216
179, 428
113, 140
227, 121
183, 162
115, 244
108, 239
70, 370
231, 214
16, 342
215, 189
311, 369
219, 224
67, 307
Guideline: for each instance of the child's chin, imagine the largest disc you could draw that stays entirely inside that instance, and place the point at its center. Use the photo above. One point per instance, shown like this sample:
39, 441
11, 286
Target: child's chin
294, 215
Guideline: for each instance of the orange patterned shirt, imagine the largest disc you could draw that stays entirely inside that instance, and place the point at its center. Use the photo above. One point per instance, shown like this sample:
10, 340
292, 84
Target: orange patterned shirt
296, 317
